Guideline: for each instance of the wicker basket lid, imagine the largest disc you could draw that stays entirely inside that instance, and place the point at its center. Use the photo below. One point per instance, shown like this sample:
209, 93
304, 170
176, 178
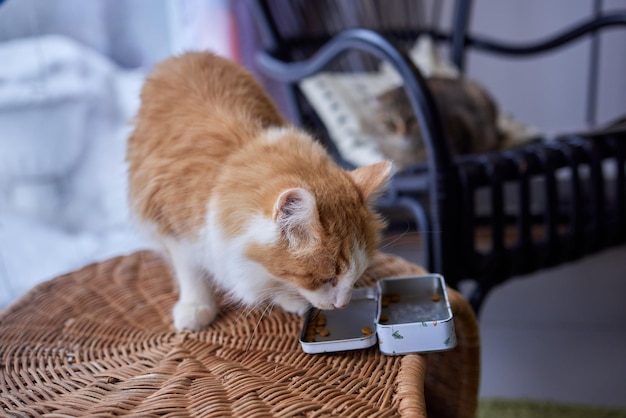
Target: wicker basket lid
100, 342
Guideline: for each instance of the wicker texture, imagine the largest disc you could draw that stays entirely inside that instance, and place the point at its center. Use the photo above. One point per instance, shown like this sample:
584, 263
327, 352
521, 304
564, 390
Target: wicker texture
100, 342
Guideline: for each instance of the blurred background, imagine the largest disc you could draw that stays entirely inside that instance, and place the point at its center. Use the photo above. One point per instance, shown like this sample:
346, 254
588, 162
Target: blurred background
69, 82
69, 88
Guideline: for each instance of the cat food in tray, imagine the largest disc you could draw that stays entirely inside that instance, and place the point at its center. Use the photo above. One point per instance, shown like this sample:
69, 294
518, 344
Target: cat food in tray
345, 329
414, 315
404, 314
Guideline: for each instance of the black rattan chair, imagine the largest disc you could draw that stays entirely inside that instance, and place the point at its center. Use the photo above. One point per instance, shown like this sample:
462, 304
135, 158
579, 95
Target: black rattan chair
566, 204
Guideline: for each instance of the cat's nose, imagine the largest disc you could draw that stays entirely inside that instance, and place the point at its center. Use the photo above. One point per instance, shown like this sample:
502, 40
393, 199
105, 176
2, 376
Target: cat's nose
342, 300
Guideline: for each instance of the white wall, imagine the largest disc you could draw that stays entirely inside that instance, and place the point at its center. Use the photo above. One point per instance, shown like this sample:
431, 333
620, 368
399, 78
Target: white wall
550, 90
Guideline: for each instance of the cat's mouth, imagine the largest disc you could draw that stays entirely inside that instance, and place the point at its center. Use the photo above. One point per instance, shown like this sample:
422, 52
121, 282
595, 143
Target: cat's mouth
324, 307
328, 307
326, 301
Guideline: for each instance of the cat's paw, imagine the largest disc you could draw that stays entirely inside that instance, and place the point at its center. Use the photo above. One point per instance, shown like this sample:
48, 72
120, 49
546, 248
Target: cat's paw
192, 316
293, 304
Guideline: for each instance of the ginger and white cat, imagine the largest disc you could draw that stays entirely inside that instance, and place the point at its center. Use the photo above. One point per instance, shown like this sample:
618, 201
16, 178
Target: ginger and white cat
241, 201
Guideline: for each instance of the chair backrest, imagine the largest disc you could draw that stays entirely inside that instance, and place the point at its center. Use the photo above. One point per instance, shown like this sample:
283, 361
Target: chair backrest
293, 30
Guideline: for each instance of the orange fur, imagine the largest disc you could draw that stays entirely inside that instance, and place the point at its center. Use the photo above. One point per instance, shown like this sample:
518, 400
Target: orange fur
208, 136
196, 109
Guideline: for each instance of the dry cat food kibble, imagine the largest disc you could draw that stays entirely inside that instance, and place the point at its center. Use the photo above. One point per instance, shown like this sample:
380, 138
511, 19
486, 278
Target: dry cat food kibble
389, 299
366, 331
316, 327
309, 336
384, 318
435, 297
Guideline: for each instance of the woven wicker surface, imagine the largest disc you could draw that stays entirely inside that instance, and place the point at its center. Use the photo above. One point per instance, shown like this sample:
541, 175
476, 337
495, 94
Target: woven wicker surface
100, 342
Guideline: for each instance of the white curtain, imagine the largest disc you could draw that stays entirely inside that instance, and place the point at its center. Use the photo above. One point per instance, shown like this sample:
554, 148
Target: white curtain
69, 82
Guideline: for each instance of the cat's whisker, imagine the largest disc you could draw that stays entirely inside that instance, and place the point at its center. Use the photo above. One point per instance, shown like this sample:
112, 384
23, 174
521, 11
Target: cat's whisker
268, 307
246, 310
390, 240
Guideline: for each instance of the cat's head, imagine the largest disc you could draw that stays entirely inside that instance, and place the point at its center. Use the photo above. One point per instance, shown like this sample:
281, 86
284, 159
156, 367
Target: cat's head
326, 233
397, 131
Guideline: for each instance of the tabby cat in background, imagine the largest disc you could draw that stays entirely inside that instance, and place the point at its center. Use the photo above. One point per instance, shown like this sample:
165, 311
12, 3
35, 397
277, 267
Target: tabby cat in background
241, 202
468, 113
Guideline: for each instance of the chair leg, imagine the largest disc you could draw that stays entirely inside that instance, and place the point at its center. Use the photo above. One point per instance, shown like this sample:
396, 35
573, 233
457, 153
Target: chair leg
422, 223
477, 297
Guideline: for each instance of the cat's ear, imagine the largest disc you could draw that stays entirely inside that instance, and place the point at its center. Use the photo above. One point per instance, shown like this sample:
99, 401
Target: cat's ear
372, 179
295, 213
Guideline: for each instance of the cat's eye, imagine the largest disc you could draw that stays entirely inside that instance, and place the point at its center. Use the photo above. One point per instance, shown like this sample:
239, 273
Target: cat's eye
412, 125
332, 281
391, 125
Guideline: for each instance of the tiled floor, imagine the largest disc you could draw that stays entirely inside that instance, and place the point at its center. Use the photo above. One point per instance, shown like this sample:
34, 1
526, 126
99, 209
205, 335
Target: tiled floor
558, 335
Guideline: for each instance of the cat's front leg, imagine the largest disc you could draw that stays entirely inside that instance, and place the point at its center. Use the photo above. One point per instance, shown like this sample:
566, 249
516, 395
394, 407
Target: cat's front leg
292, 303
193, 315
197, 306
